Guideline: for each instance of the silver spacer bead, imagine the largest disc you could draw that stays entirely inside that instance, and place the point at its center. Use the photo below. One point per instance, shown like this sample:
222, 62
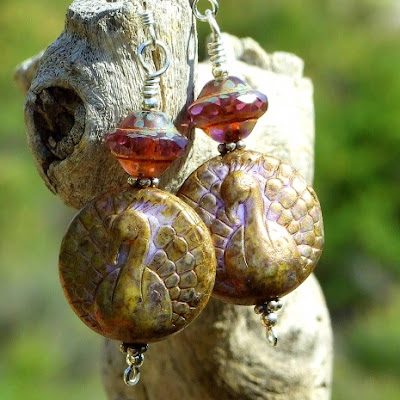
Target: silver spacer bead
269, 319
222, 148
240, 145
133, 348
133, 182
259, 309
150, 104
272, 305
145, 182
230, 146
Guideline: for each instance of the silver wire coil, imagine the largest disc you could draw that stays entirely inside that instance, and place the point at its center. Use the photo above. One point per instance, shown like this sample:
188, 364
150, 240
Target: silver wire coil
151, 86
147, 18
150, 91
216, 50
152, 80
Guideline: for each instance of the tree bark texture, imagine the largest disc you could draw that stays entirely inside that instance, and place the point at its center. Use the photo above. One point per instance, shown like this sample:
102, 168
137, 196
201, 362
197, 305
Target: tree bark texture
79, 89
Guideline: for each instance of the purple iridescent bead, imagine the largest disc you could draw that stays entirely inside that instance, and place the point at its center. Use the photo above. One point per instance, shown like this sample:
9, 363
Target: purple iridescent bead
227, 110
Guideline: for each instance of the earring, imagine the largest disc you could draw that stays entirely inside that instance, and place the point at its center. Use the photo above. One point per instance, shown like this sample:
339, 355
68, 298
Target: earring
137, 264
265, 221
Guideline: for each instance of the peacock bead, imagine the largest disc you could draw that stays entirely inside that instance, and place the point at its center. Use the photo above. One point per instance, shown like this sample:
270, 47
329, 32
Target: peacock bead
265, 222
146, 143
137, 265
227, 110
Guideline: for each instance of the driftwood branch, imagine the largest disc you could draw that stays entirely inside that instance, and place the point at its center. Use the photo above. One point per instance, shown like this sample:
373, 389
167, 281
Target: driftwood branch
89, 79
86, 82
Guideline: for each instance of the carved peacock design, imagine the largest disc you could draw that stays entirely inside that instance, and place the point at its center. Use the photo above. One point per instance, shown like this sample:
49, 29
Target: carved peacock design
266, 224
135, 265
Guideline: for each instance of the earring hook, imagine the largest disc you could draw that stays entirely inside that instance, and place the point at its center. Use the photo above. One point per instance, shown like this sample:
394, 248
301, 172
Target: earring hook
204, 17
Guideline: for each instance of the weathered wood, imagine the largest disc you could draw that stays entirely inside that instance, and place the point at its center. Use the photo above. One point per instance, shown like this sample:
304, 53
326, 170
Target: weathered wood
224, 355
87, 81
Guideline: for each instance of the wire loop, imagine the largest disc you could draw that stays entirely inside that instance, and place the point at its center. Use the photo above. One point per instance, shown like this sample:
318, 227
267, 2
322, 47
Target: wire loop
210, 18
132, 375
271, 337
134, 359
146, 66
204, 17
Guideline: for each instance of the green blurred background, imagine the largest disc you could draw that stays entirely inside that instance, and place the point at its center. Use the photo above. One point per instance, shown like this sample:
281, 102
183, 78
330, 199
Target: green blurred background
352, 53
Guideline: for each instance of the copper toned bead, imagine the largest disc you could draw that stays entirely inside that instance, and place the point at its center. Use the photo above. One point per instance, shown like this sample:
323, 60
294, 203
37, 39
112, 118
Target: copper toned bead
146, 144
227, 110
137, 265
266, 224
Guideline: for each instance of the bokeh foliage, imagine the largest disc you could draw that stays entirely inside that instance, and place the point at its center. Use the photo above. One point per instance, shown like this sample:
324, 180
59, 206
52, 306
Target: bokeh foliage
351, 51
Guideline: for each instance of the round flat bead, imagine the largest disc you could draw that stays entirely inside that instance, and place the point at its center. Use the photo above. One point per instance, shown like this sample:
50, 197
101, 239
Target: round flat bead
125, 256
242, 197
146, 143
227, 110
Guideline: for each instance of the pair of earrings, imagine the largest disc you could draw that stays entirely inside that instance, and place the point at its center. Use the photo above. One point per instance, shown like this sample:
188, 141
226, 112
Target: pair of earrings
139, 264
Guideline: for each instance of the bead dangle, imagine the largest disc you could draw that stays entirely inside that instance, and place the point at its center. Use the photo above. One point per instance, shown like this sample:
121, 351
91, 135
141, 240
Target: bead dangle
134, 359
137, 264
265, 221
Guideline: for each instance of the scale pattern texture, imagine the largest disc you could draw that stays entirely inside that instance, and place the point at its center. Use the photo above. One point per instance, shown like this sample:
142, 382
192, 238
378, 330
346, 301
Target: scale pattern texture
266, 224
137, 265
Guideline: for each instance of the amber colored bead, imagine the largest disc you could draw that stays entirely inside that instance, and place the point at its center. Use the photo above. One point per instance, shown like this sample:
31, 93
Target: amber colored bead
227, 110
146, 143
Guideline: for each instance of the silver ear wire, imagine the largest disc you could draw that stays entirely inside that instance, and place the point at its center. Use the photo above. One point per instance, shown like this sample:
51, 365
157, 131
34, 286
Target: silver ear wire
216, 48
203, 17
152, 81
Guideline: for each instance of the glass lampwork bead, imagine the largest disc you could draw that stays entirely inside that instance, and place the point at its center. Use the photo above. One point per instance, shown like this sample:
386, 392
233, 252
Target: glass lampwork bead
146, 143
227, 110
